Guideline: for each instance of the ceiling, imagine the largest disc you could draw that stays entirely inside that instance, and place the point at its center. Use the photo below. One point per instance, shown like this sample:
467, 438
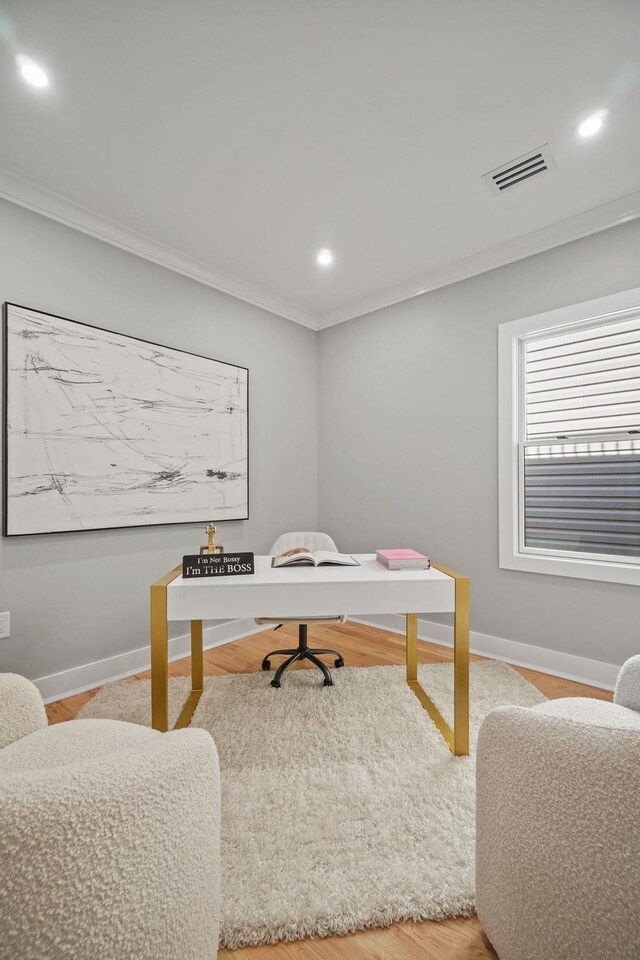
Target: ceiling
230, 139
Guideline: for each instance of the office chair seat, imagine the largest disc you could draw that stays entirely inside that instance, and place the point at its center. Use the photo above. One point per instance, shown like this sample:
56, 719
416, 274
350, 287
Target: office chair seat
312, 541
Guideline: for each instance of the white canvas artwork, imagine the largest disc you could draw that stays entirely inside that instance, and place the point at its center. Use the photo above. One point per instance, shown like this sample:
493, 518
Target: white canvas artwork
103, 430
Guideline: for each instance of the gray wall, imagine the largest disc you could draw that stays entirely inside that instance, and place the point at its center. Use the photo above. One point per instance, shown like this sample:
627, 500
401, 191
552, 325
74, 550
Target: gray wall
407, 421
75, 598
408, 448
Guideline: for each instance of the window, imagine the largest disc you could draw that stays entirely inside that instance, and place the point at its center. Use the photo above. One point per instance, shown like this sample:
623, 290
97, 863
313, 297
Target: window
570, 441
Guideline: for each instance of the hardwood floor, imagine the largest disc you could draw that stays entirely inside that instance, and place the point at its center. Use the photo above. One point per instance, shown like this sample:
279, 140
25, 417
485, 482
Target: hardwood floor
458, 939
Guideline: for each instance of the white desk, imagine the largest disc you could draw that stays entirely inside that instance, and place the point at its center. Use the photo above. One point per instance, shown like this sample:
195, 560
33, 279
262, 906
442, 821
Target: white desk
313, 592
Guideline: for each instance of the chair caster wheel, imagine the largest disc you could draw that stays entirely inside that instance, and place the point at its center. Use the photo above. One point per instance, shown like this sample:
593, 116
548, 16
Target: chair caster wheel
328, 683
266, 664
339, 662
276, 684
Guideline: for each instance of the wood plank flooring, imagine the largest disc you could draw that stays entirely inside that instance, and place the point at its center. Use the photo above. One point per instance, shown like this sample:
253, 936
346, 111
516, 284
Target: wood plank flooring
458, 939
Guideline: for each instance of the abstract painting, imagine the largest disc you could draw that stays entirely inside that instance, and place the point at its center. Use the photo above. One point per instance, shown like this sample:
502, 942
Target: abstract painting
102, 430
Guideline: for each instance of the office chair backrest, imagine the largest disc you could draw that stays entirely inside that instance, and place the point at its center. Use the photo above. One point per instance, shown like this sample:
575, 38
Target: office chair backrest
312, 541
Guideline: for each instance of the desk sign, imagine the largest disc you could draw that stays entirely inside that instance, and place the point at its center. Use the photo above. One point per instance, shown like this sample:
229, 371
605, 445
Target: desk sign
217, 565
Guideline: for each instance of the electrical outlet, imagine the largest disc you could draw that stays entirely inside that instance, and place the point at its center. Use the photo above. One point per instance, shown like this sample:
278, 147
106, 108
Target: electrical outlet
5, 625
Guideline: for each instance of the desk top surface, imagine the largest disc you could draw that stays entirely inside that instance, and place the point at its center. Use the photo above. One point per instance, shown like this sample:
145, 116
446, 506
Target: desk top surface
369, 571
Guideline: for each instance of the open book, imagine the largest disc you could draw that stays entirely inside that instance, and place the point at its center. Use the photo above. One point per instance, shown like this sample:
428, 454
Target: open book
319, 558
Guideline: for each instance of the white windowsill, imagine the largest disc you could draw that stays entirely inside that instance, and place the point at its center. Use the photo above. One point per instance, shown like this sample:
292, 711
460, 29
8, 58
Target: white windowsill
603, 570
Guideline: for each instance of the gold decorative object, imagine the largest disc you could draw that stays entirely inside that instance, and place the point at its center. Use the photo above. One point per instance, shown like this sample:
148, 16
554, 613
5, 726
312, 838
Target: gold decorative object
211, 546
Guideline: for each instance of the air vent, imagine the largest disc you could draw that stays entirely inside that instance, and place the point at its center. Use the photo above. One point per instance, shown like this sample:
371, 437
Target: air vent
520, 170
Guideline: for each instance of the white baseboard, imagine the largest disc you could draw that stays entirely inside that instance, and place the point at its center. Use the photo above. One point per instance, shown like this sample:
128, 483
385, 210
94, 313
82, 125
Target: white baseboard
595, 673
89, 675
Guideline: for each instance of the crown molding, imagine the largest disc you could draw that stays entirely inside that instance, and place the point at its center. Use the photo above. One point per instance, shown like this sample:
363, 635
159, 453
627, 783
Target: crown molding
564, 231
27, 194
56, 207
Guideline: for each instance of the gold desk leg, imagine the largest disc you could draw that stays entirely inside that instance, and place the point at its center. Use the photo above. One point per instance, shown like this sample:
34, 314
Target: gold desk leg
457, 739
197, 676
160, 652
197, 657
461, 669
412, 647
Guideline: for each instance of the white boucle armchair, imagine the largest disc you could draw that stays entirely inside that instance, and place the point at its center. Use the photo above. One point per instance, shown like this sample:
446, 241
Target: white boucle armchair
109, 837
558, 827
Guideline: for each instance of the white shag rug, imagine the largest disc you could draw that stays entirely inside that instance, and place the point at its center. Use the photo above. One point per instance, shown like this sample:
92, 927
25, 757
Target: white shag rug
342, 807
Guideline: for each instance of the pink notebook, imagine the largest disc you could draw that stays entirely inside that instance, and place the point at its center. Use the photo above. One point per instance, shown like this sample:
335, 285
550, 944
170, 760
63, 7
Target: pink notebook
403, 559
401, 555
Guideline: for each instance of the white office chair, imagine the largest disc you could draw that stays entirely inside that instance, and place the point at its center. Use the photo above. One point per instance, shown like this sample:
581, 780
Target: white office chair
312, 541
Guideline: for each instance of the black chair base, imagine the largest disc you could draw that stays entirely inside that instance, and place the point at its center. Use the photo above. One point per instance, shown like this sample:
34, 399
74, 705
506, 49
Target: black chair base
302, 652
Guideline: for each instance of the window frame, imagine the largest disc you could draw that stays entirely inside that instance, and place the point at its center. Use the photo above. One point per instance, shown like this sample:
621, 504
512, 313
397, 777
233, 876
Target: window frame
511, 413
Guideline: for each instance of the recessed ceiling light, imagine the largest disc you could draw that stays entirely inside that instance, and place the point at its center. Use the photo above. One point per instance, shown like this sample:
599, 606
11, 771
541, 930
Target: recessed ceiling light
324, 257
31, 72
591, 124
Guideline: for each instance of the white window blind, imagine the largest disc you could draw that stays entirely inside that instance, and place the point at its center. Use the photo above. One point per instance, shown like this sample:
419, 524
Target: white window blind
580, 441
586, 381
